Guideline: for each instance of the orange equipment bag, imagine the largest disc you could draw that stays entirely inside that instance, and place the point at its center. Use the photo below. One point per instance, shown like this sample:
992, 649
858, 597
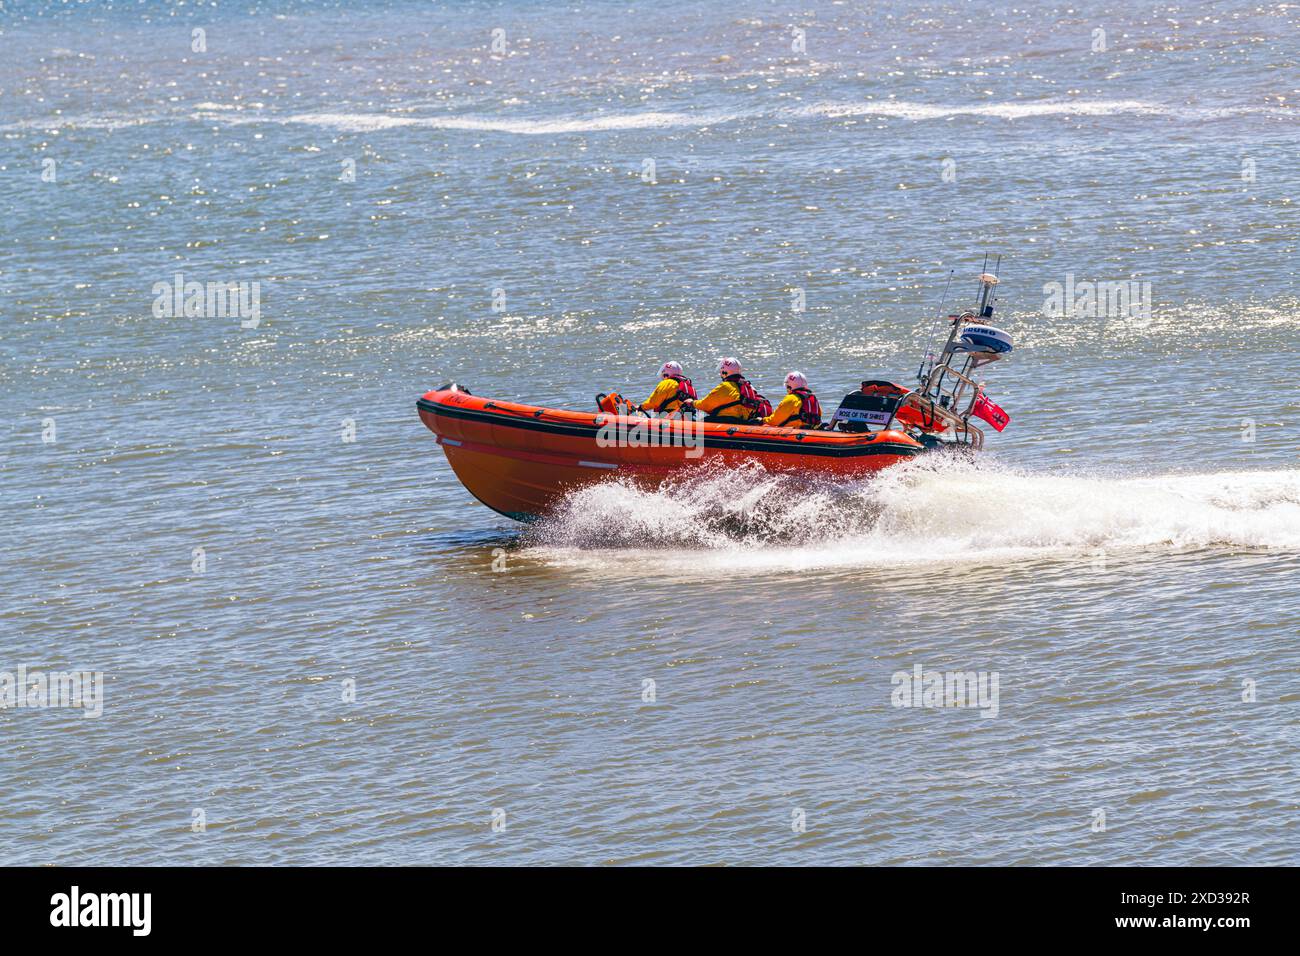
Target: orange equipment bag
614, 404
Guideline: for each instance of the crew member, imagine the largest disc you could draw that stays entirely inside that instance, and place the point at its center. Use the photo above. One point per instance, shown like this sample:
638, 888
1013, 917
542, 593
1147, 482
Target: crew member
733, 399
671, 393
799, 408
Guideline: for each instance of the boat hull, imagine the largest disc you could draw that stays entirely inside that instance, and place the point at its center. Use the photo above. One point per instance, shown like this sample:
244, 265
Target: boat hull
521, 460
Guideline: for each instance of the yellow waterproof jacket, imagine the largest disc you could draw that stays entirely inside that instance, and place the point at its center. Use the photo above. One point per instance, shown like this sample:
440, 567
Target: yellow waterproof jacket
723, 393
663, 398
786, 413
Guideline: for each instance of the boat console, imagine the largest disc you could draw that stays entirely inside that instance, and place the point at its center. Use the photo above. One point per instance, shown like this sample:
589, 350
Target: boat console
940, 408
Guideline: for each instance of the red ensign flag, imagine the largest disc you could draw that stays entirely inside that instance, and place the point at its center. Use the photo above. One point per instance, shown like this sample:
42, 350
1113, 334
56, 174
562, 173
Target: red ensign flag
991, 413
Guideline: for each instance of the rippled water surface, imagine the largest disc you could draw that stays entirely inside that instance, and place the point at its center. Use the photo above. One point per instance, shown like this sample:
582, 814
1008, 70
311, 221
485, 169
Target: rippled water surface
678, 675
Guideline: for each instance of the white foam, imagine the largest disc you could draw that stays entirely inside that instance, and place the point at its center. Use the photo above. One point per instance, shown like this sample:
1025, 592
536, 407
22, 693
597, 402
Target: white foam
366, 122
928, 111
103, 121
927, 511
1029, 110
363, 122
658, 119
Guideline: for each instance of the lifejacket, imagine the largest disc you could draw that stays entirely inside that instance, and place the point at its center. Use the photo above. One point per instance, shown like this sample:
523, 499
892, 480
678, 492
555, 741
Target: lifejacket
685, 390
810, 410
759, 407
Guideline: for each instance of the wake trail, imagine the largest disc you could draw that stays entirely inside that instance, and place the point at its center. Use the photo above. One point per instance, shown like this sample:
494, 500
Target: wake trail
927, 510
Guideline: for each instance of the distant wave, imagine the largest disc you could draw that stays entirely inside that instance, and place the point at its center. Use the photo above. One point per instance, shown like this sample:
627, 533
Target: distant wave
1010, 111
1038, 108
369, 122
933, 510
365, 122
103, 121
655, 119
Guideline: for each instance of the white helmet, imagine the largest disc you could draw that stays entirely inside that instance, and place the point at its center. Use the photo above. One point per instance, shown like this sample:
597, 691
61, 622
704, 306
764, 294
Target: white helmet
672, 369
795, 380
729, 366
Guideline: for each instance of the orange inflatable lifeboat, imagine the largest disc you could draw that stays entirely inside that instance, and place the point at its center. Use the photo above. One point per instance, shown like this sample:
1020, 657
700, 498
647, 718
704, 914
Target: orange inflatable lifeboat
519, 460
